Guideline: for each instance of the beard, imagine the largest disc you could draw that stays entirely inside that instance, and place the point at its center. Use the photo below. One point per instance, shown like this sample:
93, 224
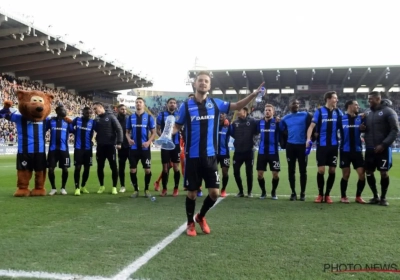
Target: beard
202, 92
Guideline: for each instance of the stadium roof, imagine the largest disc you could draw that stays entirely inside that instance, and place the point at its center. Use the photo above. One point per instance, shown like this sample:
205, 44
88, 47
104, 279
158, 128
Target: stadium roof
305, 79
28, 52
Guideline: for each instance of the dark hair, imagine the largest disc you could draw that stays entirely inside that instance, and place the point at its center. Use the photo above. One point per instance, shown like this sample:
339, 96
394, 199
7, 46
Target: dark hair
292, 100
120, 106
140, 98
348, 103
98, 104
203, 73
169, 99
375, 94
246, 109
86, 109
191, 95
328, 95
59, 107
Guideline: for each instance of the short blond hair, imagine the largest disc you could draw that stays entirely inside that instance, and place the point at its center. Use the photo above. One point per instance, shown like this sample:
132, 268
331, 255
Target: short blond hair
270, 106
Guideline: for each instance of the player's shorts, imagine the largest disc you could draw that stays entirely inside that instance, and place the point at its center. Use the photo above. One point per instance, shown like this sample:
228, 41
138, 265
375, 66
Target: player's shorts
380, 162
31, 161
272, 160
83, 157
62, 157
140, 155
224, 160
173, 156
199, 169
354, 158
327, 156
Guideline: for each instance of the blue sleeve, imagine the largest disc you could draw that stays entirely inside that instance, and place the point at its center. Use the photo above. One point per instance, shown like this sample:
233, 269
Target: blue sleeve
278, 131
282, 125
151, 123
159, 118
315, 117
48, 123
232, 129
15, 118
181, 117
228, 131
128, 123
223, 106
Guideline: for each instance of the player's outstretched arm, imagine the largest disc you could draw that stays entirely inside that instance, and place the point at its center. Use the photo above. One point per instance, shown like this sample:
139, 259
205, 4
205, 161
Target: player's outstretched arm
240, 104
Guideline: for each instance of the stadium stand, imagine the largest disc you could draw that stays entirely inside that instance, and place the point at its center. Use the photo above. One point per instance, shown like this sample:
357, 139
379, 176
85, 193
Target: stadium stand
34, 59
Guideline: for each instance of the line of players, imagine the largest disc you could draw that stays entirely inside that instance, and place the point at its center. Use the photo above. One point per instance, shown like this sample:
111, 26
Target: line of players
291, 133
296, 131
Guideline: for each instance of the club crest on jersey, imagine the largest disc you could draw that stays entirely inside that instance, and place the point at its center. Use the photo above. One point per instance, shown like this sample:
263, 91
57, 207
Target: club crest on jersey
144, 119
334, 113
24, 163
209, 105
380, 113
248, 124
89, 124
106, 119
272, 124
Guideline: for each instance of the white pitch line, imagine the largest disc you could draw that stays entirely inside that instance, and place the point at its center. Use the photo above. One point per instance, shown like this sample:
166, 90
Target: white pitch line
47, 275
332, 196
144, 259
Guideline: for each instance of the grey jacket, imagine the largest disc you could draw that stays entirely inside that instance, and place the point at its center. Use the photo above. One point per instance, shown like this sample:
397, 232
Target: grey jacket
382, 126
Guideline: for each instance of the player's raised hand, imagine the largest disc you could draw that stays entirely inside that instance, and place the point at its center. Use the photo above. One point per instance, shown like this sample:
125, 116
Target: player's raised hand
256, 91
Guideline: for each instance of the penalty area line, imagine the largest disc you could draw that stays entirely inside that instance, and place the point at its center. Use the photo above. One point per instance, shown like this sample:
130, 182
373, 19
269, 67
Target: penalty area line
153, 251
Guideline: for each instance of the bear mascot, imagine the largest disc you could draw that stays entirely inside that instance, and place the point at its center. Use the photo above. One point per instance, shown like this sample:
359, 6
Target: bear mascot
34, 108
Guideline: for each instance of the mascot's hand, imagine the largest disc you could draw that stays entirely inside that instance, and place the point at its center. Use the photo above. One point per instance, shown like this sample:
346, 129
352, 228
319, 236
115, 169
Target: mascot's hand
226, 122
6, 108
68, 120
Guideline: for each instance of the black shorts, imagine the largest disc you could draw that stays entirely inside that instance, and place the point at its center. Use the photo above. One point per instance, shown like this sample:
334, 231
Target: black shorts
355, 158
380, 162
272, 160
199, 169
224, 161
62, 157
173, 156
327, 156
123, 154
143, 155
83, 157
33, 161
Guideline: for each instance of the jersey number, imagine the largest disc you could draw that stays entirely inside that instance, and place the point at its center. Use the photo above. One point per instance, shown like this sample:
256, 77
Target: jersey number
334, 160
148, 162
217, 176
276, 164
67, 161
384, 163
